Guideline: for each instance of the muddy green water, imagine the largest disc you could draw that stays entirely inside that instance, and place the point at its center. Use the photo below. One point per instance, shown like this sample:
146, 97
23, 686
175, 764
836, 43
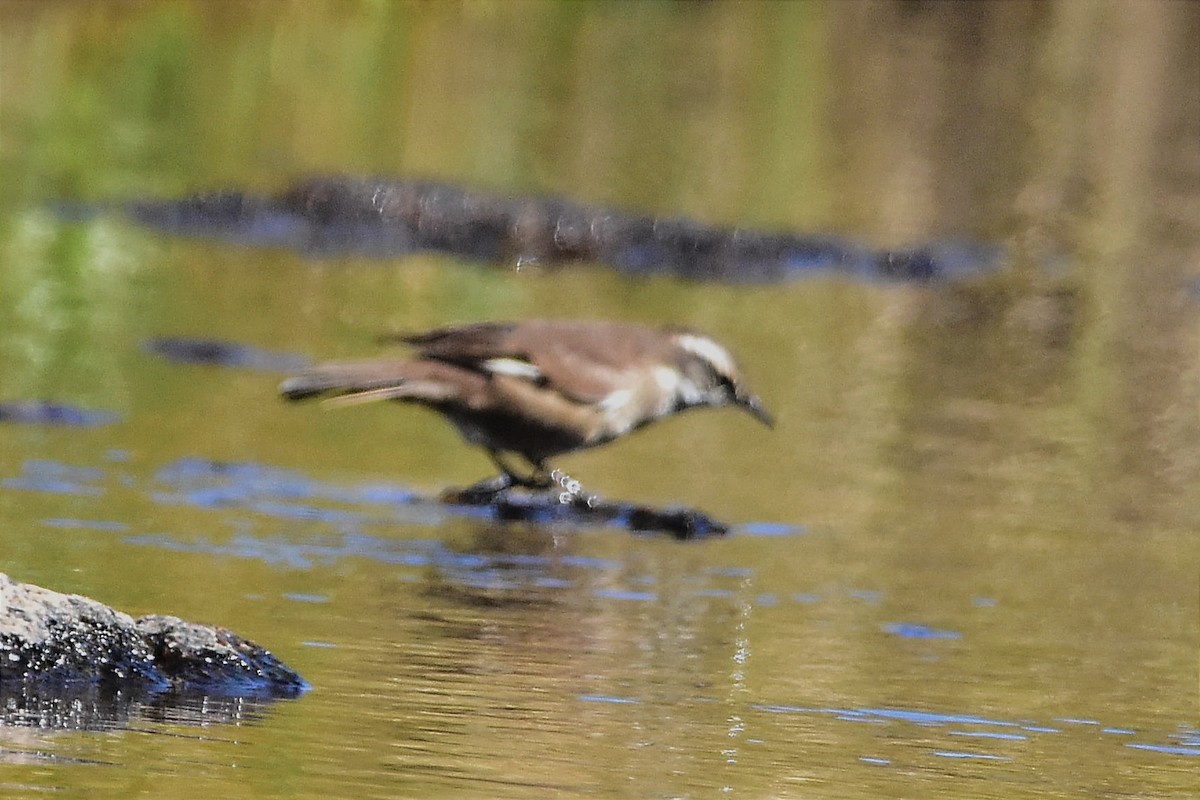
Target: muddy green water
965, 564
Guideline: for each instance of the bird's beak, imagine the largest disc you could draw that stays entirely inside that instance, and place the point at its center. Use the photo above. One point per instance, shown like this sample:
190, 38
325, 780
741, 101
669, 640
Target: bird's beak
752, 404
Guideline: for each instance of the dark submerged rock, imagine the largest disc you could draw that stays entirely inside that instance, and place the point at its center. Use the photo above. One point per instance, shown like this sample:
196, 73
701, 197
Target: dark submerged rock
544, 508
57, 641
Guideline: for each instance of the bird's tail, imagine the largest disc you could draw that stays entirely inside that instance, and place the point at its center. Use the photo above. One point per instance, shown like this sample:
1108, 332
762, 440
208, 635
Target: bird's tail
342, 383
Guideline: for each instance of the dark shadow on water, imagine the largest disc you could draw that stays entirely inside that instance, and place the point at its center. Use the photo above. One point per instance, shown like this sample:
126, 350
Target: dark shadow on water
329, 216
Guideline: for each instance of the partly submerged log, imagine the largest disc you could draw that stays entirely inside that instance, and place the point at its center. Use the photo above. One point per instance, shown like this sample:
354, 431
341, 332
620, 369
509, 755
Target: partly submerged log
388, 217
59, 641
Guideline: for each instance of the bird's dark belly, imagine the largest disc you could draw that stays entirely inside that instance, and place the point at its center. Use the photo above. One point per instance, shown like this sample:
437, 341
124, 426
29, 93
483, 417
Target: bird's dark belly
534, 439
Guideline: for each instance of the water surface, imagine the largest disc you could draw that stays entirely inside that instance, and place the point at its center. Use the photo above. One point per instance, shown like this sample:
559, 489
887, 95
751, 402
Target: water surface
964, 564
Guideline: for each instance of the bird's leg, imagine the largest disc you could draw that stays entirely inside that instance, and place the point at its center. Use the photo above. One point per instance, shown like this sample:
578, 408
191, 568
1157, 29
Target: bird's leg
486, 489
541, 478
538, 479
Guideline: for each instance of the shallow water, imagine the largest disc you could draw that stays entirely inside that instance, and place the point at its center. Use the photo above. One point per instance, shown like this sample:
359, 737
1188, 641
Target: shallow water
965, 564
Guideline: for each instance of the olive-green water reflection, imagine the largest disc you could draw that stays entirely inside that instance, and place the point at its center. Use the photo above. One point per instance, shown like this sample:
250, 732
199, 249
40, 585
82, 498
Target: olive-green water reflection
994, 592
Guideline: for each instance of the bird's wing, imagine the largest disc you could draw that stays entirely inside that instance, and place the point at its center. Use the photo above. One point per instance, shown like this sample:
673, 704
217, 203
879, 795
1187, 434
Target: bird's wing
589, 362
584, 361
463, 344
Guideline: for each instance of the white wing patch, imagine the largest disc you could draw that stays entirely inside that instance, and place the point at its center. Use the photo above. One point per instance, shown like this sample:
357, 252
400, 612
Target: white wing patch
514, 368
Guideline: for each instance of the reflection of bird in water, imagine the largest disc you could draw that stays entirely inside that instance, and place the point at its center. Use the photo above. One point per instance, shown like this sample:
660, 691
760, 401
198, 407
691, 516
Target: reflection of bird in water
541, 388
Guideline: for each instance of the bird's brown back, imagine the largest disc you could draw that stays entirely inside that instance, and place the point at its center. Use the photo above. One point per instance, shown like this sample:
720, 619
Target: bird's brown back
584, 361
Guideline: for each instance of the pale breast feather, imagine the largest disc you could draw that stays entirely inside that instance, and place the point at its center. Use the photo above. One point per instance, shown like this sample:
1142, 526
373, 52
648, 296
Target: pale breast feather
677, 390
615, 401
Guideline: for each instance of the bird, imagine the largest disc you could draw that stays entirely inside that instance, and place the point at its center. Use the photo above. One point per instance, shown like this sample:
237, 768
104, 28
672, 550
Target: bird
537, 389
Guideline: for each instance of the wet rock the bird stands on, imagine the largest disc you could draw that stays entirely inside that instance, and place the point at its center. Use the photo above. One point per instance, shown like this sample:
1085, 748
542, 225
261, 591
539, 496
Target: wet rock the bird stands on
60, 641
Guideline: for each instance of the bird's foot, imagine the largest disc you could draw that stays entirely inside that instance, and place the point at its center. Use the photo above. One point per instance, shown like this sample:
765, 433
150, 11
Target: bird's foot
566, 490
572, 492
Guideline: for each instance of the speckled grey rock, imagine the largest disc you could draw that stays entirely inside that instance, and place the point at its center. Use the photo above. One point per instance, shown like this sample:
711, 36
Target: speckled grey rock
51, 639
214, 660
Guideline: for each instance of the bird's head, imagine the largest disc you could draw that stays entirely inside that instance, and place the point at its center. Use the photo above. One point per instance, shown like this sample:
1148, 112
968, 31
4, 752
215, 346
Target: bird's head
711, 377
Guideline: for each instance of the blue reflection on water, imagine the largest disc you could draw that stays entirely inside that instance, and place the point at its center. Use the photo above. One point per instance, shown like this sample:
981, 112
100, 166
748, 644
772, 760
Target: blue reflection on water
301, 597
548, 582
279, 551
190, 350
770, 529
1188, 743
990, 735
624, 594
589, 562
1173, 750
34, 412
731, 572
604, 698
273, 551
910, 630
54, 477
276, 492
984, 756
85, 524
928, 718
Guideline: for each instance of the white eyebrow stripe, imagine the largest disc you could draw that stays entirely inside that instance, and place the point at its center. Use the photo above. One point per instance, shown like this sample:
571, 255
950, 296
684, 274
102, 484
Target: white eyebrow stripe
708, 350
514, 368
